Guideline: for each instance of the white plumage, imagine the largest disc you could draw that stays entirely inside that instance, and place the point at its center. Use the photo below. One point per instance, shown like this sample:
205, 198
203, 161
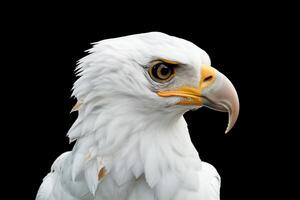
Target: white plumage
132, 143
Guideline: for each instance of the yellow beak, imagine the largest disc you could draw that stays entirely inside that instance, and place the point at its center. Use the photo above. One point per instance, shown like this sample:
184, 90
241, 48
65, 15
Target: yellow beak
214, 91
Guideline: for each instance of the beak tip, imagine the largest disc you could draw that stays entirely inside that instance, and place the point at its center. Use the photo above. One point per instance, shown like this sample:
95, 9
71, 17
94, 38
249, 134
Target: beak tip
228, 129
233, 116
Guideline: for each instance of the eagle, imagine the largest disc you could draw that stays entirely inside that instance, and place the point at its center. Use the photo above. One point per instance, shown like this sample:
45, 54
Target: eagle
131, 139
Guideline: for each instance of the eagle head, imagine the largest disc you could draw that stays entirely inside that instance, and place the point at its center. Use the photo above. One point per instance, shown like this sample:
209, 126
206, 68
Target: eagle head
152, 73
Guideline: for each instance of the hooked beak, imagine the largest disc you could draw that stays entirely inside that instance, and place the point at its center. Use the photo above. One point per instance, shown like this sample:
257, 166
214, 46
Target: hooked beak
214, 91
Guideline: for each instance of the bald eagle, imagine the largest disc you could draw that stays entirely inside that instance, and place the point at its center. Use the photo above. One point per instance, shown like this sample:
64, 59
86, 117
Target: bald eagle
132, 142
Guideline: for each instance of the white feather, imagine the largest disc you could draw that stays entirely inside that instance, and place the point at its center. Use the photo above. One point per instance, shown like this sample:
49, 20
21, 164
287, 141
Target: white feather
92, 169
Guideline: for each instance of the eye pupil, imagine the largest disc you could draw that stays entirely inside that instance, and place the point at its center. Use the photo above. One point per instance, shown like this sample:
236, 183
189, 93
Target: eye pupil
165, 70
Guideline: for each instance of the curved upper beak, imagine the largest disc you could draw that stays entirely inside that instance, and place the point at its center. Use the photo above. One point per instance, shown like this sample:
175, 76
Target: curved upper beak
215, 91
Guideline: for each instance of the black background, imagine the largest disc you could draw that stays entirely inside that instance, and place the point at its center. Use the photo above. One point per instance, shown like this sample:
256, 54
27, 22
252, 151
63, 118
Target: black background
45, 44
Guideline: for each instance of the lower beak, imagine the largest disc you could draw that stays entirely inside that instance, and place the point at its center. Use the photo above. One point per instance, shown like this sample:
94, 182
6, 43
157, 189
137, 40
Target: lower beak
215, 91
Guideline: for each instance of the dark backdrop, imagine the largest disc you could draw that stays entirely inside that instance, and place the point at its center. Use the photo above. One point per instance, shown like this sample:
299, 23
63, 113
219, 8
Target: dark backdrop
47, 44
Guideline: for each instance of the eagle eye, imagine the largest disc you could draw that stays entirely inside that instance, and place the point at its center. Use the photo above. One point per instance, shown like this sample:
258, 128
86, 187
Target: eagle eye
162, 72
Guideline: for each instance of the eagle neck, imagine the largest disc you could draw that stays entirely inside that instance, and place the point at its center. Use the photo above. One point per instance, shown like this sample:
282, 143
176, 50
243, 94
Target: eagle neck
132, 144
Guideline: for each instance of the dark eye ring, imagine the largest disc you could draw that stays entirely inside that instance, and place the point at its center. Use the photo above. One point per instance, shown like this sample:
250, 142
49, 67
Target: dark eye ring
162, 72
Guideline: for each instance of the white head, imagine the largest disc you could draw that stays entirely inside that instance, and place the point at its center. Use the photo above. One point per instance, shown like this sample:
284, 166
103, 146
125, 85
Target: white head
152, 73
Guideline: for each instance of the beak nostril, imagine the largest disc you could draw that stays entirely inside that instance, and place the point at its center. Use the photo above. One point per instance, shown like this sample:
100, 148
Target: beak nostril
207, 78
